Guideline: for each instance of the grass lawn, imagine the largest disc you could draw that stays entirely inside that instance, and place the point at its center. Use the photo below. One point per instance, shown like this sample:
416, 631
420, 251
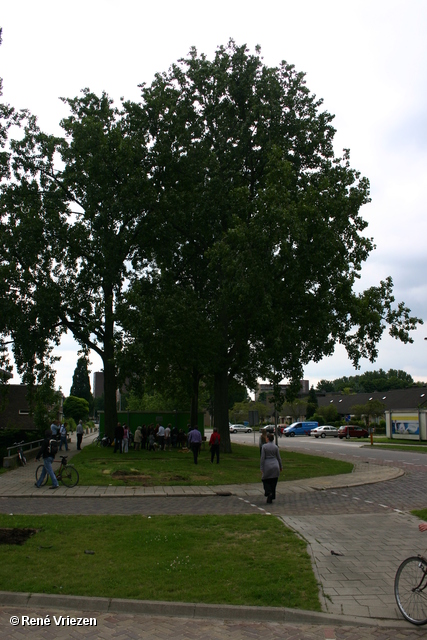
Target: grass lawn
396, 444
239, 560
421, 513
100, 466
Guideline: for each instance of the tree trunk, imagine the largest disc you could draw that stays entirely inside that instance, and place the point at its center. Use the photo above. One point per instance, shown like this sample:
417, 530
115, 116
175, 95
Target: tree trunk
221, 409
110, 380
194, 397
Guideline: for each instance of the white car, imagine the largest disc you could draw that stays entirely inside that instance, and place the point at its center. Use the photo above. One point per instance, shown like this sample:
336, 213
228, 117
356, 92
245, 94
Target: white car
236, 428
322, 432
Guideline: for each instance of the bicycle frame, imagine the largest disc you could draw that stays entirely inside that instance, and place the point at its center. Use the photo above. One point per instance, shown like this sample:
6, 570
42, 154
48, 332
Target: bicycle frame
424, 577
62, 465
20, 451
66, 473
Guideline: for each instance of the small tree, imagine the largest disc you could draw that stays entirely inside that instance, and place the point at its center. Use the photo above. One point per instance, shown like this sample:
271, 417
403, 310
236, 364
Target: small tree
76, 408
373, 408
328, 413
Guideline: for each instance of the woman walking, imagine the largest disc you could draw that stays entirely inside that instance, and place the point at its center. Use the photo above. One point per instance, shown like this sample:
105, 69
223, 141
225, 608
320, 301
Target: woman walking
214, 444
271, 466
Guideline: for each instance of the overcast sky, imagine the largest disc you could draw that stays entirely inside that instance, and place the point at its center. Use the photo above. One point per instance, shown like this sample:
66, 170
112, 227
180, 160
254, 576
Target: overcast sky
366, 59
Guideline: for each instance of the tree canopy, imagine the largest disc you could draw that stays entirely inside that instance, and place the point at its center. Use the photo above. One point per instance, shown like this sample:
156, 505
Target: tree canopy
368, 381
207, 232
72, 210
258, 224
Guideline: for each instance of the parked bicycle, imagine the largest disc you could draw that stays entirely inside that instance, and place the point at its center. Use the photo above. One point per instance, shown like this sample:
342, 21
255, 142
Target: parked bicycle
67, 474
410, 587
21, 456
101, 441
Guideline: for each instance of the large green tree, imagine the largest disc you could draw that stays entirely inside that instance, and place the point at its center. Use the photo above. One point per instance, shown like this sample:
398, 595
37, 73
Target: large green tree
73, 210
25, 329
258, 222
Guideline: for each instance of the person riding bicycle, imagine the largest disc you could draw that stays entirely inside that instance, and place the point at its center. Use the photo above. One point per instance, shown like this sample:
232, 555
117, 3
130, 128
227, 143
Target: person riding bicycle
48, 457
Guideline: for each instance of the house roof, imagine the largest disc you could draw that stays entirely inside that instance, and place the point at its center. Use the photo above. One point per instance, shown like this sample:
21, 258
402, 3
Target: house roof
396, 399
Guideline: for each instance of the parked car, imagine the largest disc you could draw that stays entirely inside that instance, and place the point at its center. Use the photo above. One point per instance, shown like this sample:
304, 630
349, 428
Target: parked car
325, 430
270, 428
352, 431
236, 428
300, 429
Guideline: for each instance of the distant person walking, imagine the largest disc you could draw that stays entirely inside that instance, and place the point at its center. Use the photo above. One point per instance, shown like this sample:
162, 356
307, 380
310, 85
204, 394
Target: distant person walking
118, 438
262, 440
168, 437
63, 437
137, 439
79, 433
54, 428
214, 444
195, 441
161, 437
125, 440
271, 466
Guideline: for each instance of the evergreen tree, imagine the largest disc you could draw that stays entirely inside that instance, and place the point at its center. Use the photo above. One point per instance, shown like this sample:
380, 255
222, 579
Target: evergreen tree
81, 385
312, 403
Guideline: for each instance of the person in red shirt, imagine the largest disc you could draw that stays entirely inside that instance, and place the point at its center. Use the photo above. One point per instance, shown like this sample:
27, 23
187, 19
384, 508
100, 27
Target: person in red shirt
214, 443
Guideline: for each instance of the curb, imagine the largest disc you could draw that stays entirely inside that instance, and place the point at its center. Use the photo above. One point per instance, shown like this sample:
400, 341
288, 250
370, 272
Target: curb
188, 610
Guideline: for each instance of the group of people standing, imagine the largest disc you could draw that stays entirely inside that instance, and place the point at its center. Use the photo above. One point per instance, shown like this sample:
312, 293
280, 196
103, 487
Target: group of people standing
59, 431
153, 437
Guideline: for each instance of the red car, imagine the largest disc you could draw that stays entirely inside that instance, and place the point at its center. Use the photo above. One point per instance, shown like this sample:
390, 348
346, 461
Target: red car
351, 431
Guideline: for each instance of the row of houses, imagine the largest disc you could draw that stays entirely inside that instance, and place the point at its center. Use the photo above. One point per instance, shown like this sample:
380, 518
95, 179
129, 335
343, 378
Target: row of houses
405, 410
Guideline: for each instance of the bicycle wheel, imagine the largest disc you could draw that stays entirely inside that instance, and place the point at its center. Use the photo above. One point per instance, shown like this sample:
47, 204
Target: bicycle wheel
22, 458
38, 474
69, 476
410, 589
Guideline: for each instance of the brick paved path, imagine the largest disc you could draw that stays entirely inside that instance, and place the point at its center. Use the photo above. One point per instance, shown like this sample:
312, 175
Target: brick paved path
112, 626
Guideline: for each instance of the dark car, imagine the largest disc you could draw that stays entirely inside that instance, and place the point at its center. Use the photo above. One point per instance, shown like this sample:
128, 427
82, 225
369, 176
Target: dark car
352, 431
270, 428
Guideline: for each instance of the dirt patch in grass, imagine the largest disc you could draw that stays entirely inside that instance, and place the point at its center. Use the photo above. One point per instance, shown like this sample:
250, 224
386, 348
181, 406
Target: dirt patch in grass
132, 477
15, 536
